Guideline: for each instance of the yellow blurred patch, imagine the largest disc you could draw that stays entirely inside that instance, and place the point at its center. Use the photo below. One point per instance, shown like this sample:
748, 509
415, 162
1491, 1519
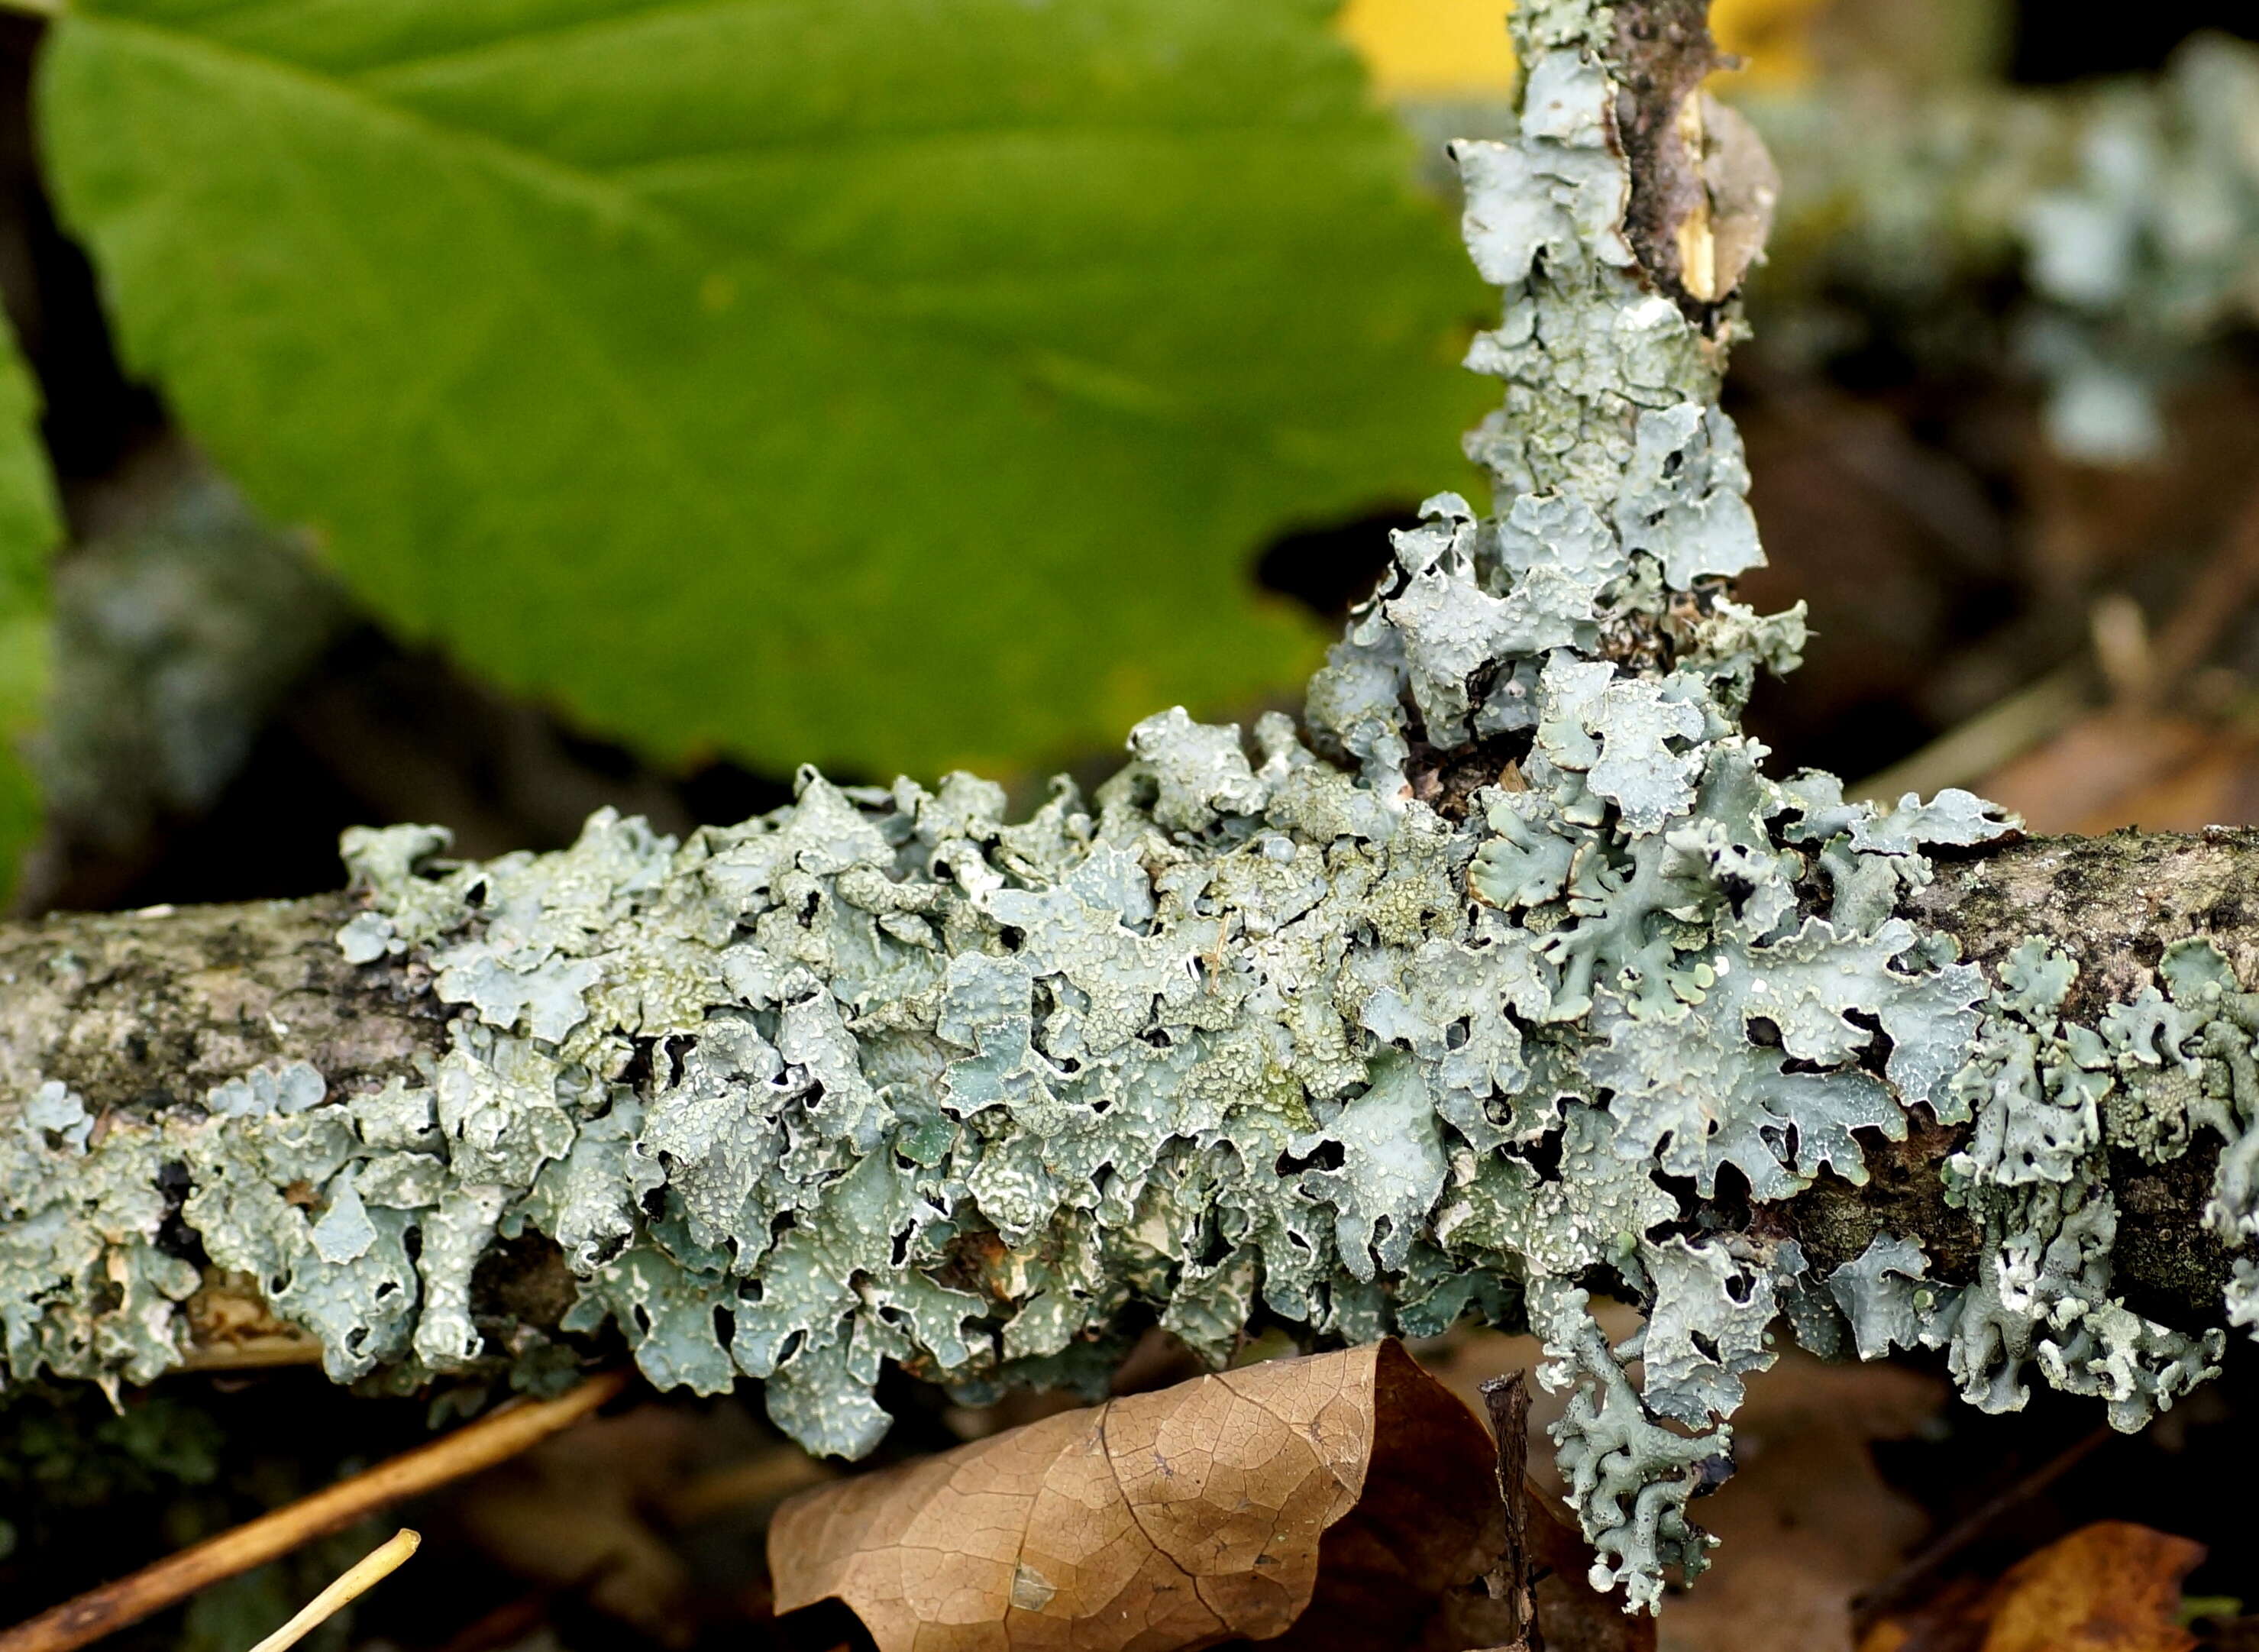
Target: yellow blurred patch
1772, 37
1442, 48
1431, 47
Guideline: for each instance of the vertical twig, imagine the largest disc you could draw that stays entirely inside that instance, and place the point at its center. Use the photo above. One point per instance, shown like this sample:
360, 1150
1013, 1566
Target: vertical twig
1506, 1398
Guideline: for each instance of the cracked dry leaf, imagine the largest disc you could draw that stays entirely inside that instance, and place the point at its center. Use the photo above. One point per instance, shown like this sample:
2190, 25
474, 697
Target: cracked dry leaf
1160, 1522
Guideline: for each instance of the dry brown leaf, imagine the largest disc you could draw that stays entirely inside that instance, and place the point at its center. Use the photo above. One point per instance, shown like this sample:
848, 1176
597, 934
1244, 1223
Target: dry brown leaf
2131, 768
1951, 1620
2109, 1587
1744, 188
1172, 1520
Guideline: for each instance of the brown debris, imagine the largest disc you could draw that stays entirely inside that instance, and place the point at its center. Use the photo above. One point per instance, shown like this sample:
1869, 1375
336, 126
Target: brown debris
1664, 51
1506, 1398
1219, 1508
495, 1438
2120, 767
1806, 1522
2112, 1586
575, 1514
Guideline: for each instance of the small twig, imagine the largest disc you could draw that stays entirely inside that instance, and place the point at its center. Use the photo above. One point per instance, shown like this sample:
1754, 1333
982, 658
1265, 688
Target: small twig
251, 1353
1506, 1398
2010, 727
358, 1579
1923, 1568
491, 1440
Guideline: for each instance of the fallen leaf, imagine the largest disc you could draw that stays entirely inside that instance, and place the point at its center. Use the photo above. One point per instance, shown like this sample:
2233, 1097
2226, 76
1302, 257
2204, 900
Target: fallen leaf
1219, 1508
2109, 1587
2131, 768
1952, 1619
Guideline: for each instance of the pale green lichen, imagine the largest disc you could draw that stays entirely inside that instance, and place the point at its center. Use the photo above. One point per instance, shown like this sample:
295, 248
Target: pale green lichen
1297, 1033
2124, 215
2129, 209
176, 630
2049, 1097
1886, 1298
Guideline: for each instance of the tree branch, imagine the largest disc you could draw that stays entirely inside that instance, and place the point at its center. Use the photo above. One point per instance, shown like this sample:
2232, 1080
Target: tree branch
142, 1011
139, 1011
1509, 974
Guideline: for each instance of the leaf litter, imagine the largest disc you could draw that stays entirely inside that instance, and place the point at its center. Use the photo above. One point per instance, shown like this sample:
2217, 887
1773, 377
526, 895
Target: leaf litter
1336, 1501
2111, 1587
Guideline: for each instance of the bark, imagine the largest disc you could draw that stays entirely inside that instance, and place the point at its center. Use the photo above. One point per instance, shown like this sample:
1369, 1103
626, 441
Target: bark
138, 1011
1663, 51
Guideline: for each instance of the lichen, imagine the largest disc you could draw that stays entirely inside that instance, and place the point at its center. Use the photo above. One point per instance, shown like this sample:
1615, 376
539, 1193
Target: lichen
175, 636
2049, 1096
1289, 1034
2129, 209
2097, 236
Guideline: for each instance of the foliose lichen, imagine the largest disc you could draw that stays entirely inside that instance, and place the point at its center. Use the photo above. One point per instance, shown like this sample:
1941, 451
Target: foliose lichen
175, 634
2033, 1170
1448, 1002
2129, 209
2123, 214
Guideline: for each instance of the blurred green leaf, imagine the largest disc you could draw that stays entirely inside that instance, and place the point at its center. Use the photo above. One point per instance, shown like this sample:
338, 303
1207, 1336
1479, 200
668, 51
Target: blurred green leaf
29, 528
871, 381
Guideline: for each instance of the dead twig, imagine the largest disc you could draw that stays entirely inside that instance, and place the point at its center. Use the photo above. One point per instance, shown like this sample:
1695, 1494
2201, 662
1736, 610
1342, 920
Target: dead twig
1923, 1570
491, 1440
357, 1579
1506, 1398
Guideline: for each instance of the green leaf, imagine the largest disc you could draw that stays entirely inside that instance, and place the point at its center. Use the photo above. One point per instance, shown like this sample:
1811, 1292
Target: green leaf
29, 528
871, 381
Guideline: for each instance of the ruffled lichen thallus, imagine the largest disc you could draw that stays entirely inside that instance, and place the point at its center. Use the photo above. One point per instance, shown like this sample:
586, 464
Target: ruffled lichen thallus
1455, 1000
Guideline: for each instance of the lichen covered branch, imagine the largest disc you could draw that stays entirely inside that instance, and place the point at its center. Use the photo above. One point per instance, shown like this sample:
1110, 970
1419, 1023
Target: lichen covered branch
1508, 976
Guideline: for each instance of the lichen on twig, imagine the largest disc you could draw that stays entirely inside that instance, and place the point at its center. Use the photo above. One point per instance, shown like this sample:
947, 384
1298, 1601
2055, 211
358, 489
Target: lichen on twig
1302, 1033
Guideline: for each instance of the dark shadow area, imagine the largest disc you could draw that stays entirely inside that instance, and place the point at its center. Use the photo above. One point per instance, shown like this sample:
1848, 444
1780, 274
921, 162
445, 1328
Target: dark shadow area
2055, 43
